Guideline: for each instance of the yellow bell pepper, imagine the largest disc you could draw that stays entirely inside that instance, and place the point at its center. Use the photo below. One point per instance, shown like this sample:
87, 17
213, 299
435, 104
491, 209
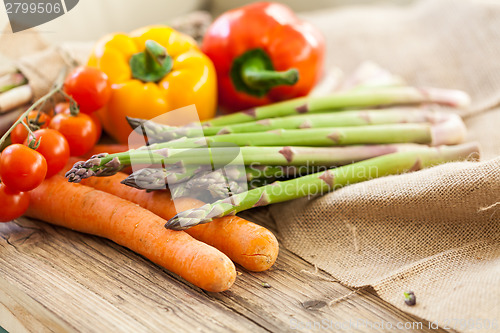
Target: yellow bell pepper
153, 70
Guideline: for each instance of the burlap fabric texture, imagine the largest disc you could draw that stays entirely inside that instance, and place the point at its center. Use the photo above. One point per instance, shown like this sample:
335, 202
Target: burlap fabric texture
435, 232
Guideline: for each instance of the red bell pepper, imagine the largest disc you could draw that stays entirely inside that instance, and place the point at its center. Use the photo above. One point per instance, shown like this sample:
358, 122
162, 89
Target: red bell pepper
263, 54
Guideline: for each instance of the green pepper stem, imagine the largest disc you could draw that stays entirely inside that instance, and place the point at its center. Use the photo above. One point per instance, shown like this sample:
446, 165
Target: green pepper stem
256, 77
253, 73
152, 64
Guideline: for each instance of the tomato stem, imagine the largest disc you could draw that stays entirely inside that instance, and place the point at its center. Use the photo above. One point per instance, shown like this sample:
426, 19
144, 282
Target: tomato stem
25, 114
33, 143
41, 102
74, 110
43, 99
26, 126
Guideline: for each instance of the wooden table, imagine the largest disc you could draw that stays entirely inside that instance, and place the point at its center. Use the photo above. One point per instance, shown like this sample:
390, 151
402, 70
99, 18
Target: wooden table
54, 279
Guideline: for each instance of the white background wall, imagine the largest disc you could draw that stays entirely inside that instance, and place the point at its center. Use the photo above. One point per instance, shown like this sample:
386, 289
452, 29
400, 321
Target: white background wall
90, 19
219, 6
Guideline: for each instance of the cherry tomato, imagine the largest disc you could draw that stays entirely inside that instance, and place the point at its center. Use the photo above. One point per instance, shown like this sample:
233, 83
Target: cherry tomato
80, 131
54, 147
22, 168
13, 203
89, 87
63, 107
19, 133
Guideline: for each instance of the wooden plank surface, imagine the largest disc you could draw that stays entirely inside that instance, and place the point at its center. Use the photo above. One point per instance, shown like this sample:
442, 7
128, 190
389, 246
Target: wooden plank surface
56, 280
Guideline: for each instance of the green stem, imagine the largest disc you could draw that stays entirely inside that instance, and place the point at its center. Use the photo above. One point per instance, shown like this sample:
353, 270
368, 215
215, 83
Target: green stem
153, 64
352, 99
31, 108
74, 109
160, 133
159, 178
329, 136
256, 76
253, 73
33, 143
222, 157
264, 78
322, 182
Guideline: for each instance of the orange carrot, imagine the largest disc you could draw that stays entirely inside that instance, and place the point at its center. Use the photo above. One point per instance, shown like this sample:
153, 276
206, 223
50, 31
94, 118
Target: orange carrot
88, 210
246, 243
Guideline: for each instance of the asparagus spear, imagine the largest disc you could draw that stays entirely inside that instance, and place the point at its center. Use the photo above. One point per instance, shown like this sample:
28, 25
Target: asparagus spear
218, 183
322, 182
445, 133
159, 178
221, 184
15, 98
105, 165
451, 130
217, 189
259, 182
342, 100
161, 133
11, 80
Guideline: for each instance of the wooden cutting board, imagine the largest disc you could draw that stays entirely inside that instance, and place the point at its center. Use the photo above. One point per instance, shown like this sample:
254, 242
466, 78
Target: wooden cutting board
56, 280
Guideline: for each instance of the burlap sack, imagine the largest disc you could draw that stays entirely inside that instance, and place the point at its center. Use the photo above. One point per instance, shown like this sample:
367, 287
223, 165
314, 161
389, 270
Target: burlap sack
436, 231
42, 64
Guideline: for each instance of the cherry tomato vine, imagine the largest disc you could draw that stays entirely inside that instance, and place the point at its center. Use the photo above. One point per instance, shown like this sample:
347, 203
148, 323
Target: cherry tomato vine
49, 139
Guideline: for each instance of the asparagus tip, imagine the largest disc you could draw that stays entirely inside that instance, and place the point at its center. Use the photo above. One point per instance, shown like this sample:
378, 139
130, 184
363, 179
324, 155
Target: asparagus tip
192, 217
78, 172
131, 181
181, 222
135, 123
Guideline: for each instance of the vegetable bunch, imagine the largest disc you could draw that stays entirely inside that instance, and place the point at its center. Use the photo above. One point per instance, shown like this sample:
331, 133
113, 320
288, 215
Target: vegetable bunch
130, 217
45, 135
300, 147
